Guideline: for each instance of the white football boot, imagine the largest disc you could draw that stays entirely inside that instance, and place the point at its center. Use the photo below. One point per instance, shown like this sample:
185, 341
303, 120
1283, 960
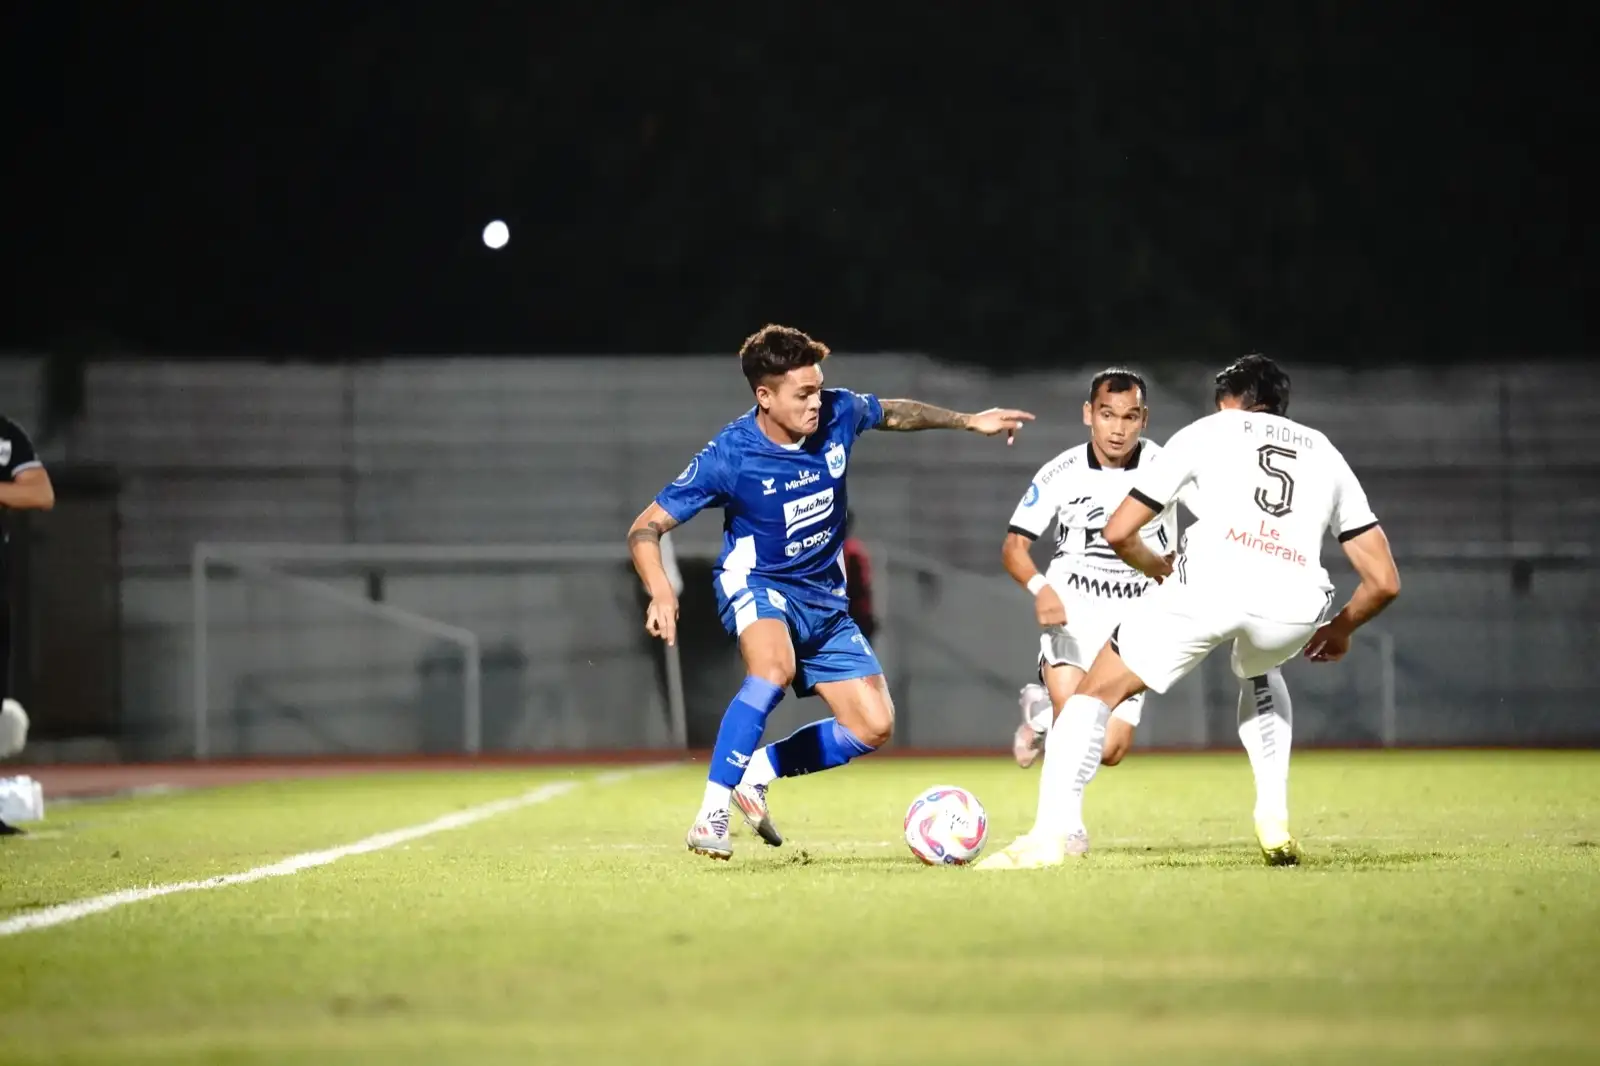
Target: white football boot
13, 738
709, 836
1036, 852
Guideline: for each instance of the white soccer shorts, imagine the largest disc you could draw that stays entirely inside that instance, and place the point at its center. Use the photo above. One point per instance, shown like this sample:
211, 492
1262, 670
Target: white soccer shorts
1177, 626
1089, 626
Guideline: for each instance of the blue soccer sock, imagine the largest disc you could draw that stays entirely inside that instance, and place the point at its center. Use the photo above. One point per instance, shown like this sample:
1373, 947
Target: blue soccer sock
739, 736
819, 746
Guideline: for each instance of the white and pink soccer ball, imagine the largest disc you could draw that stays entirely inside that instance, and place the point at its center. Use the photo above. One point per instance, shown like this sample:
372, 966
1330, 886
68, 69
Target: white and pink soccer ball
946, 826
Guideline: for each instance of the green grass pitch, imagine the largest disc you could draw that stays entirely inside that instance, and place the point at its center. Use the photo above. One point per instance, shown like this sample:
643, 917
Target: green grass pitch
1448, 912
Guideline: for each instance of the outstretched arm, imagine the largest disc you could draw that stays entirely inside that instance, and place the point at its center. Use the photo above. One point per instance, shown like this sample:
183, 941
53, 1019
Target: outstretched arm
908, 416
905, 416
644, 545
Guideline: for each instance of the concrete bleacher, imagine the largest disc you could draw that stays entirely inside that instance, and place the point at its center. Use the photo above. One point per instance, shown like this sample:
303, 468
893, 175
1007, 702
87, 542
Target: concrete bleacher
476, 450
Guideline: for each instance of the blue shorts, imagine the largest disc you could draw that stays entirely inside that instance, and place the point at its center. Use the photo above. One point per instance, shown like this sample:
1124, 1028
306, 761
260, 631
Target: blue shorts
828, 645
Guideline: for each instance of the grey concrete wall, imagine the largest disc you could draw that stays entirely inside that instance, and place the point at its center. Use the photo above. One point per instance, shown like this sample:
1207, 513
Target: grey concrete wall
467, 451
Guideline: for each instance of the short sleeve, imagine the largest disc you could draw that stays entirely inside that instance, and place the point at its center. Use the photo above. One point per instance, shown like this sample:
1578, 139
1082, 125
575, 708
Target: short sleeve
705, 482
1352, 514
1165, 533
860, 411
1159, 484
16, 450
1189, 496
1033, 514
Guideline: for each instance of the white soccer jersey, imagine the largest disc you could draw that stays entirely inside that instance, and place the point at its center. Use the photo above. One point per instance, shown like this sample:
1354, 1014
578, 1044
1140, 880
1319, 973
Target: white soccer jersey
1264, 488
1078, 494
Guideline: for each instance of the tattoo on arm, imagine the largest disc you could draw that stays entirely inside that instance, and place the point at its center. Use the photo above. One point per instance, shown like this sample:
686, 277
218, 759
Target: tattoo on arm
907, 415
651, 531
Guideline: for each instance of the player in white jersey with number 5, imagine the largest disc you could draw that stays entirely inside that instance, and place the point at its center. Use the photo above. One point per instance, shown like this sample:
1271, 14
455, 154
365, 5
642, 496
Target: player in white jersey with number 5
1250, 573
1086, 589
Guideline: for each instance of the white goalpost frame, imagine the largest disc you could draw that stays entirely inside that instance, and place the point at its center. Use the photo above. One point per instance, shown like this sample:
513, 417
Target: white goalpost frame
1390, 723
258, 559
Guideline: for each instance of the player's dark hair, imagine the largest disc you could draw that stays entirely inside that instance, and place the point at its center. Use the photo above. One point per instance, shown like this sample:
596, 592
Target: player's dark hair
1257, 381
1117, 379
773, 351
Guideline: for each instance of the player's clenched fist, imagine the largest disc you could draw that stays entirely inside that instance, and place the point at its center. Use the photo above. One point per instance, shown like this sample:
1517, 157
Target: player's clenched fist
1328, 644
1169, 558
1048, 608
661, 618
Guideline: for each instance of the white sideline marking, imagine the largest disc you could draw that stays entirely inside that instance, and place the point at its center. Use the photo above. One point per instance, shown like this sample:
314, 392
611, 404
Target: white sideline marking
62, 913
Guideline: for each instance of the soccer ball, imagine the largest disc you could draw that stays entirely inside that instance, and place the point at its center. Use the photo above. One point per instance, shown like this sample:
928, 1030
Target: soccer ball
946, 826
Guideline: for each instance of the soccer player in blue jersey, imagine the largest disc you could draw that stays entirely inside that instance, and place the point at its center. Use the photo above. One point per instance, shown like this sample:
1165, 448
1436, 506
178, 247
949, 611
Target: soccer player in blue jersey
778, 474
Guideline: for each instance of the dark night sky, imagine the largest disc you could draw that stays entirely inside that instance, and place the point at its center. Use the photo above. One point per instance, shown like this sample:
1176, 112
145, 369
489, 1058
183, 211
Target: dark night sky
1309, 178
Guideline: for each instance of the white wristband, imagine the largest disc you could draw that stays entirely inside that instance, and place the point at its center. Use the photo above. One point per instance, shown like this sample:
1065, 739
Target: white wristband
1035, 583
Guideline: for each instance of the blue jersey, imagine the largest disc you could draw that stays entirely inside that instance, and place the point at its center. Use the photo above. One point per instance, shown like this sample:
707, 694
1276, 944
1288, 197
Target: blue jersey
783, 508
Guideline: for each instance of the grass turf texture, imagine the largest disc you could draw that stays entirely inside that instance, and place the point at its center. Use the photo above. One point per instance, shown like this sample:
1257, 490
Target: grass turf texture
1448, 911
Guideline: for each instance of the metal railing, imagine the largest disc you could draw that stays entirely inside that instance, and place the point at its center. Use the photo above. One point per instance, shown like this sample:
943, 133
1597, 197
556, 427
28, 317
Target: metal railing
273, 562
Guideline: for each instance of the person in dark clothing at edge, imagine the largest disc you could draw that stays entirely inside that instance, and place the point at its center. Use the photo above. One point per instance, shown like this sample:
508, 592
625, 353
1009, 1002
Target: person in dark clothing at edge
24, 486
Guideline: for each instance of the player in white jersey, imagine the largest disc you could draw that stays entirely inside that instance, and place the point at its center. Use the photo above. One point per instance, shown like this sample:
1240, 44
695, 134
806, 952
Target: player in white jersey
1087, 588
1249, 572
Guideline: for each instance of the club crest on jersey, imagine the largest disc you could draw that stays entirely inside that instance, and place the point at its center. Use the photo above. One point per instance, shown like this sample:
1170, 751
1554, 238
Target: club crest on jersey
688, 472
836, 459
1031, 497
767, 488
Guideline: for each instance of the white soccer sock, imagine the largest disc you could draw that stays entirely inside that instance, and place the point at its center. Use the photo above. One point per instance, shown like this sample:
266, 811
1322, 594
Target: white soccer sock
1071, 758
717, 798
760, 771
1265, 727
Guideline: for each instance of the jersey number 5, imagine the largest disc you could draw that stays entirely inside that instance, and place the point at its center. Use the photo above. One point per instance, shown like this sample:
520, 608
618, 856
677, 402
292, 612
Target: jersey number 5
1277, 501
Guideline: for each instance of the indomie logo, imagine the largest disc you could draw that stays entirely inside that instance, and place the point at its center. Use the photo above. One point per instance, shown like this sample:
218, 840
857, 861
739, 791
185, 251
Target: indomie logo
807, 511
